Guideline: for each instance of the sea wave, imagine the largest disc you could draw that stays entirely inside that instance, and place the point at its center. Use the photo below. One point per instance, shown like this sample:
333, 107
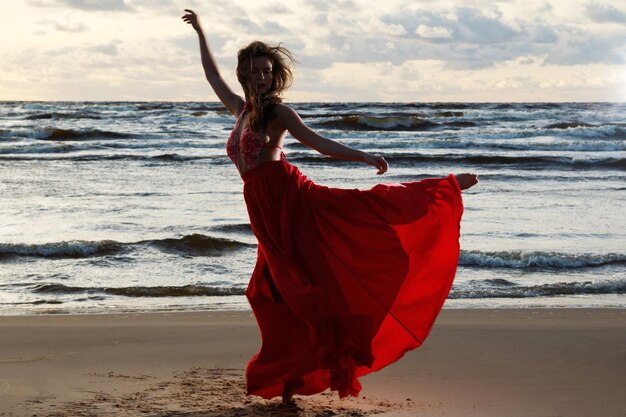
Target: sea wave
199, 245
243, 228
52, 133
522, 161
389, 123
461, 123
538, 259
585, 130
539, 143
568, 125
542, 290
189, 245
61, 115
64, 153
469, 290
155, 106
65, 249
37, 151
138, 291
174, 157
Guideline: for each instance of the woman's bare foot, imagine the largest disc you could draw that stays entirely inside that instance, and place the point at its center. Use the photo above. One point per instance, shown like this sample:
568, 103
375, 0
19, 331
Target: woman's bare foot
290, 389
466, 180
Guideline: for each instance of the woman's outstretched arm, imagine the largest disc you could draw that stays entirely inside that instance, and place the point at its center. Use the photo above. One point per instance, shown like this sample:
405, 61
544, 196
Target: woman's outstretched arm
293, 124
232, 101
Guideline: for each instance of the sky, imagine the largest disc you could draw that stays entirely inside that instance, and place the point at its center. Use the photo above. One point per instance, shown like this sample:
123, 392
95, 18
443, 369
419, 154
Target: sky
347, 50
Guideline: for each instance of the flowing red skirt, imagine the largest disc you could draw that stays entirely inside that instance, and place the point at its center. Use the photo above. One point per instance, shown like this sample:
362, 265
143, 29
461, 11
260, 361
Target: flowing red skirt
346, 281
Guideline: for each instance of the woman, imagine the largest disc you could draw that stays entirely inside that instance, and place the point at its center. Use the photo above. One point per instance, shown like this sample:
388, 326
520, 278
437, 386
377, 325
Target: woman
346, 281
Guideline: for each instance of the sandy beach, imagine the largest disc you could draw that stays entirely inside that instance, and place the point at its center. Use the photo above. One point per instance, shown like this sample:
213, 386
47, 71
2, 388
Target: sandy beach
525, 362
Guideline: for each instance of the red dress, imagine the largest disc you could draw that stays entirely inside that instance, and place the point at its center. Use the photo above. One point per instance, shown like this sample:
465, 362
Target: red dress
346, 281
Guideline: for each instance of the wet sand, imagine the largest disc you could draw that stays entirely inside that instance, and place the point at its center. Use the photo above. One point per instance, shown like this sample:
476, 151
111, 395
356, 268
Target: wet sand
526, 362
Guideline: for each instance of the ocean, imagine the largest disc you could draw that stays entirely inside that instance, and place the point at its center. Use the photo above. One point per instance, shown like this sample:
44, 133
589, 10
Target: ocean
134, 206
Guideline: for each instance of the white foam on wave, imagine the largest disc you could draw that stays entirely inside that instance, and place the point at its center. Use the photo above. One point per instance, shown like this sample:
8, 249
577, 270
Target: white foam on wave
74, 248
538, 259
483, 290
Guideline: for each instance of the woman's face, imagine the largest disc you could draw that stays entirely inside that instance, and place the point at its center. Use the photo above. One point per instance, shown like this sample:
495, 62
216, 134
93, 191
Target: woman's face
261, 74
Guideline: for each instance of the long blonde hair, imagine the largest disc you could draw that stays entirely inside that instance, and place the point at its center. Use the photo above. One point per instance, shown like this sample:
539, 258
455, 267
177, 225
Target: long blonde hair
262, 104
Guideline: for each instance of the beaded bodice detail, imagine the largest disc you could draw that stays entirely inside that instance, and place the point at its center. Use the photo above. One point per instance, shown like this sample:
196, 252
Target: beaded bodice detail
250, 143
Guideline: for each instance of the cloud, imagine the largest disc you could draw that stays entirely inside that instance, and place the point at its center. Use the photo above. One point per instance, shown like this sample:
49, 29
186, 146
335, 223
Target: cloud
87, 5
434, 32
540, 32
473, 38
585, 48
109, 48
605, 13
358, 50
72, 27
460, 25
433, 80
329, 5
65, 24
277, 9
110, 5
474, 27
375, 25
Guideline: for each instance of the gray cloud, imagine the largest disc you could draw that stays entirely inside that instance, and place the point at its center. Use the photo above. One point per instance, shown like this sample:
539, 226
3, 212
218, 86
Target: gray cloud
277, 9
113, 5
476, 41
473, 27
469, 25
331, 5
602, 12
243, 24
274, 28
588, 49
71, 27
540, 32
88, 5
109, 48
473, 41
62, 52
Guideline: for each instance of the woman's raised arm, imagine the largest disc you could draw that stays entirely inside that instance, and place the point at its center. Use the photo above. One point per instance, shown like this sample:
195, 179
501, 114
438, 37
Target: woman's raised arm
292, 122
233, 102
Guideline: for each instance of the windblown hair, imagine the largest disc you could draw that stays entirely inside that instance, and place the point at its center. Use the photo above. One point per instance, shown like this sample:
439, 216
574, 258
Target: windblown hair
263, 104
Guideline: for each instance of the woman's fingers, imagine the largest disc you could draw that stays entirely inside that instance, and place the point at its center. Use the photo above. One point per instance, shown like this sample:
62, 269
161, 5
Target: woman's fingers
381, 164
190, 16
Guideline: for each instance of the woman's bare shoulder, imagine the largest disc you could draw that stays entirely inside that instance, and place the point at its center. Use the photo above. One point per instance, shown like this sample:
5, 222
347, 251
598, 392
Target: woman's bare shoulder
281, 109
285, 115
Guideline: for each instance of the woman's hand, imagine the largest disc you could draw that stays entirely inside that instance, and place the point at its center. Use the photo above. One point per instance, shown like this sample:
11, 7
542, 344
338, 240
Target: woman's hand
377, 161
232, 101
192, 19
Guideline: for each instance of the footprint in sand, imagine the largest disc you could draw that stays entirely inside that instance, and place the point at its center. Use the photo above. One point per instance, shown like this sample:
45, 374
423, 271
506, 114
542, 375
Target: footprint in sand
4, 386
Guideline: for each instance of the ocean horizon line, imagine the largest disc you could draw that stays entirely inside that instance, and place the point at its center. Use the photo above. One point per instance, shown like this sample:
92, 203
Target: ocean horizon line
312, 101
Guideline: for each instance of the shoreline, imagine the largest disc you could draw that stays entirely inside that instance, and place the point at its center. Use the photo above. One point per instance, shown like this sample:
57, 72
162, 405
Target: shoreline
476, 362
240, 304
